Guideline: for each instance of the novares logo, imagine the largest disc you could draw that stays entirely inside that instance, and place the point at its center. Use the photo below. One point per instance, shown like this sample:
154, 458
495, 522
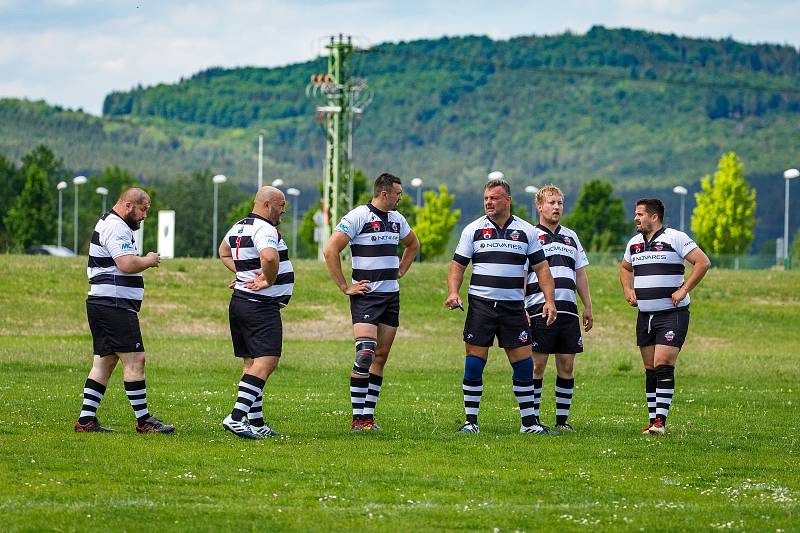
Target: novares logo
648, 257
502, 244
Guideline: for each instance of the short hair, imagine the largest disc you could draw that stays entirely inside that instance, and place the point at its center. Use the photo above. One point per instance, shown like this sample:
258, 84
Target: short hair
544, 191
491, 184
385, 182
134, 195
652, 206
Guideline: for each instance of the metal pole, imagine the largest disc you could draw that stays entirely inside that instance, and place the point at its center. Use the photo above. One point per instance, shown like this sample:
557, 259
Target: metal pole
59, 218
786, 227
214, 244
75, 223
294, 228
104, 204
260, 159
683, 201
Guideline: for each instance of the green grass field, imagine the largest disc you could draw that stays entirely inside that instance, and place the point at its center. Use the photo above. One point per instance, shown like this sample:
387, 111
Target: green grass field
729, 460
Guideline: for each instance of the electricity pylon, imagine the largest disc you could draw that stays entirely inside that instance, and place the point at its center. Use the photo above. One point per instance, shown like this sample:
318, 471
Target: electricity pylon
343, 98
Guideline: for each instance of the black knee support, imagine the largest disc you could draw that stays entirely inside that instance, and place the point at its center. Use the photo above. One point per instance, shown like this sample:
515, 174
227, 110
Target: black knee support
365, 354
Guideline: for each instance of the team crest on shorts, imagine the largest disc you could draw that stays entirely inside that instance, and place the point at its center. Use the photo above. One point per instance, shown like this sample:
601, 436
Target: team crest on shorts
523, 337
514, 235
580, 342
669, 335
487, 233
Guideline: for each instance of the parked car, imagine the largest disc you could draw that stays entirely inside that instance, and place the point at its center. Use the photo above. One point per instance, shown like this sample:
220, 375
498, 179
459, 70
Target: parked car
49, 249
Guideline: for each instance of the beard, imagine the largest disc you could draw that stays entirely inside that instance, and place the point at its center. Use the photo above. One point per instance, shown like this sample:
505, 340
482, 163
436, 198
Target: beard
131, 221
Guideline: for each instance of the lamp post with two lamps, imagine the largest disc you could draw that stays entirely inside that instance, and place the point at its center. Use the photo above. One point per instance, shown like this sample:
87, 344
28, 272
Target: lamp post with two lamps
295, 193
77, 180
787, 176
218, 180
61, 186
682, 192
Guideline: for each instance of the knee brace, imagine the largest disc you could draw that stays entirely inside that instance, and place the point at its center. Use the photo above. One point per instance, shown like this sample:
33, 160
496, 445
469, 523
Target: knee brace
473, 368
523, 369
365, 354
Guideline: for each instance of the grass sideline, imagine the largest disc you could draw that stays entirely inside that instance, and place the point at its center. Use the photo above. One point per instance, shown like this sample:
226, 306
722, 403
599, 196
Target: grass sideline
729, 460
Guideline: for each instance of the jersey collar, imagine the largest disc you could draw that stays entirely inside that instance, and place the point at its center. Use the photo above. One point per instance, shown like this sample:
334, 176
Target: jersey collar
383, 215
658, 233
547, 230
122, 219
505, 226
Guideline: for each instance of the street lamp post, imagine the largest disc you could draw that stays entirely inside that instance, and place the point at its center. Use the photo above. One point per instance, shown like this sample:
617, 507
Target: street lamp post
532, 190
277, 182
61, 186
77, 180
682, 192
417, 184
788, 175
102, 191
218, 179
495, 175
291, 191
261, 158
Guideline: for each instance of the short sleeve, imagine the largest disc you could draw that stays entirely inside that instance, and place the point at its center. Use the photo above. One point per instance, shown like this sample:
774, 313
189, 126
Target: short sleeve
350, 224
118, 240
683, 244
535, 252
582, 260
466, 247
265, 236
627, 257
405, 229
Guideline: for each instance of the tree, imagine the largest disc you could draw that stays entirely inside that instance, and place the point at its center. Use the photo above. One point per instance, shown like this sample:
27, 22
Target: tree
11, 183
598, 217
435, 221
724, 218
30, 220
794, 251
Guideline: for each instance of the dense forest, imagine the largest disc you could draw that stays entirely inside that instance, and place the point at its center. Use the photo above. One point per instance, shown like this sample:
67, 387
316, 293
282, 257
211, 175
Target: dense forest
647, 111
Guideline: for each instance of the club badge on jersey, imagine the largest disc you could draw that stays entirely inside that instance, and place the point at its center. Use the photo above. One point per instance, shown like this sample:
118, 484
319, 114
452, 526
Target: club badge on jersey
487, 233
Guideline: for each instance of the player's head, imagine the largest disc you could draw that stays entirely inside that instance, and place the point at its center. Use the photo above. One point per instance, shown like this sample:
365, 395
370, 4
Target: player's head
497, 199
387, 191
132, 206
550, 204
270, 203
649, 214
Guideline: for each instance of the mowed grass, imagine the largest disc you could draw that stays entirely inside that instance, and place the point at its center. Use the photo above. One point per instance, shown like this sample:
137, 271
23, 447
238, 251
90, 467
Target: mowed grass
728, 461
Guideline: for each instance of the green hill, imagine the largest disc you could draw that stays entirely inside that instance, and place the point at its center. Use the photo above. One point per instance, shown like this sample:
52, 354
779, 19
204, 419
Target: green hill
645, 110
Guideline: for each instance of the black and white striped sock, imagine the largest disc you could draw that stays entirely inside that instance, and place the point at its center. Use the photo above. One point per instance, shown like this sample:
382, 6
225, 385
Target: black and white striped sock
373, 393
358, 396
537, 396
650, 393
473, 390
255, 417
665, 388
250, 388
523, 390
137, 395
564, 390
93, 393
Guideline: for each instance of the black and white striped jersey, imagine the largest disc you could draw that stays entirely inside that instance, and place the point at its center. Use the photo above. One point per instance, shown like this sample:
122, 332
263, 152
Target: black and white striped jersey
565, 255
374, 236
499, 257
247, 238
658, 268
108, 285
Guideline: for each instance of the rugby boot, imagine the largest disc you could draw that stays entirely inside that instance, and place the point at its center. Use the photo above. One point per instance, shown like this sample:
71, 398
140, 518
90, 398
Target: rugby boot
91, 426
153, 425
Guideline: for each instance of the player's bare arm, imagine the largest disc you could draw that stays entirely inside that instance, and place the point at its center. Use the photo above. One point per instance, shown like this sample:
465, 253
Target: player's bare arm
335, 245
582, 283
411, 247
455, 277
626, 280
700, 265
548, 286
133, 264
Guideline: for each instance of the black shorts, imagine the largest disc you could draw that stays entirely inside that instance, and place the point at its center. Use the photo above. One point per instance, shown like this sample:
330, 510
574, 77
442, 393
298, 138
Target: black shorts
114, 330
256, 327
666, 327
376, 308
489, 318
562, 336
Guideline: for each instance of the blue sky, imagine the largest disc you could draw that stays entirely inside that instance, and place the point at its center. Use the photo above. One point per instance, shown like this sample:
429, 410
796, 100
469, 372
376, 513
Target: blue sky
74, 52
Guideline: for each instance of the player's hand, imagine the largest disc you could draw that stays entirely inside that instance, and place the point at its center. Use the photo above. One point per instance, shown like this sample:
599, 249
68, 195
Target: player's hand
154, 259
549, 312
453, 301
630, 296
588, 320
232, 283
359, 288
257, 283
678, 296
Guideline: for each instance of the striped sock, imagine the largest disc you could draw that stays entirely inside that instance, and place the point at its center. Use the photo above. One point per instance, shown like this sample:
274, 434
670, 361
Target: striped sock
137, 395
650, 393
373, 393
250, 388
255, 417
358, 396
537, 396
473, 390
564, 388
665, 388
523, 390
93, 393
